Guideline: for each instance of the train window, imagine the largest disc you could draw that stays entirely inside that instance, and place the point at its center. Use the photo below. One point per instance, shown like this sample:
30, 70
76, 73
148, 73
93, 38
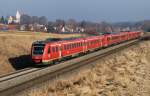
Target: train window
70, 46
56, 49
78, 44
53, 49
65, 47
38, 50
49, 50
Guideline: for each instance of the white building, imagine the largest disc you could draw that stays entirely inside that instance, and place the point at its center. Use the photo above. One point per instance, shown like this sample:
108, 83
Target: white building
10, 19
18, 16
14, 19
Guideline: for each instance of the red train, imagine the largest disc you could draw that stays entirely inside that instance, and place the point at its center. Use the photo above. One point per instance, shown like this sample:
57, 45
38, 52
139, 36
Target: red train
56, 49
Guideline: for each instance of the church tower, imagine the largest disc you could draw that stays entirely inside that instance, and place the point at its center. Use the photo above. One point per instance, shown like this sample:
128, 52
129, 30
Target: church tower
18, 16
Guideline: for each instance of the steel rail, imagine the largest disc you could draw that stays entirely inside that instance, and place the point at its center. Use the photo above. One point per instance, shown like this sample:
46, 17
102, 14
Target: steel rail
17, 82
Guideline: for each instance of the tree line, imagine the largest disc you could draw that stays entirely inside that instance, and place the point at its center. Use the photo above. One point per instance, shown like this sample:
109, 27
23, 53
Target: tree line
72, 25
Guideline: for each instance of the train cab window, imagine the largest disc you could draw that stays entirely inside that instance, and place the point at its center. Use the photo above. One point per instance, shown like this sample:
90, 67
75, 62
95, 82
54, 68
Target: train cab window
38, 50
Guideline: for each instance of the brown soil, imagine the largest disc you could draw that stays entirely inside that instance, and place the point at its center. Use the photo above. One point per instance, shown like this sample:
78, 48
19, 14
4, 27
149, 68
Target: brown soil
15, 49
126, 73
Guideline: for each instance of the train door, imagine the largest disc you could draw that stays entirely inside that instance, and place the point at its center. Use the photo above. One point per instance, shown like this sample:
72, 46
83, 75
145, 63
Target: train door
55, 52
104, 41
60, 50
85, 45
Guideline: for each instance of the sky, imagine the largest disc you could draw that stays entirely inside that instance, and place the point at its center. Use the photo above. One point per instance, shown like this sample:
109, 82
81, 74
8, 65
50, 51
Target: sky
90, 10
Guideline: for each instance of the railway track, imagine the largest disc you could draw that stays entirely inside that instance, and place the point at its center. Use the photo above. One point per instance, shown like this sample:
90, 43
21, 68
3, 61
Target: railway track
16, 82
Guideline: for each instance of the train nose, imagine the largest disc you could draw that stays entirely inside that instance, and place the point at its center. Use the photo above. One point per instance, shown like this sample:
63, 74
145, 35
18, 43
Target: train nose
37, 59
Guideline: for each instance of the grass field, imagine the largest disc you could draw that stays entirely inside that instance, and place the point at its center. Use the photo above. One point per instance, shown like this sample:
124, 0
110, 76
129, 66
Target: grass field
126, 73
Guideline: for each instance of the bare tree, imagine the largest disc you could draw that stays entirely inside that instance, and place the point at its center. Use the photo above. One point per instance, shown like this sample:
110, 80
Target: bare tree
35, 19
25, 19
43, 20
71, 23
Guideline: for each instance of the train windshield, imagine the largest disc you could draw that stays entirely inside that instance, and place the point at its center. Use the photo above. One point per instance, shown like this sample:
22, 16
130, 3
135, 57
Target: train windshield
38, 50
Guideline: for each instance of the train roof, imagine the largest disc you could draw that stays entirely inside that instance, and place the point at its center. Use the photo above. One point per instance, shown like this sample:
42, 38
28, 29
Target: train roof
55, 40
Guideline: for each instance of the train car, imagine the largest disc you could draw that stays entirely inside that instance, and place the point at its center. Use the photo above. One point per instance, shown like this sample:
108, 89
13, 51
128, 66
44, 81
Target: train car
72, 47
123, 36
114, 38
37, 51
48, 51
56, 49
94, 42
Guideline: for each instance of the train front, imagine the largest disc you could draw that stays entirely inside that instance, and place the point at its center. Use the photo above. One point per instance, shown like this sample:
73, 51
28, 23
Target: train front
37, 51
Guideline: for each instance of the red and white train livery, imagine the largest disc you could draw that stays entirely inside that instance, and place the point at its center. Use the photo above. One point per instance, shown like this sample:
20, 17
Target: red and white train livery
54, 49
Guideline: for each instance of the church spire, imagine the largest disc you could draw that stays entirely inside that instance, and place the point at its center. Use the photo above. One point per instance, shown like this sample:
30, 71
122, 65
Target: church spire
18, 16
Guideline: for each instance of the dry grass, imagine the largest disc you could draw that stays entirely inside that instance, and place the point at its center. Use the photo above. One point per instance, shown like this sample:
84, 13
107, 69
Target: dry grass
15, 48
126, 73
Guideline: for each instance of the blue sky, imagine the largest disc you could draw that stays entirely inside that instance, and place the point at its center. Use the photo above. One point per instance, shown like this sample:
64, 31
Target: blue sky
91, 10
